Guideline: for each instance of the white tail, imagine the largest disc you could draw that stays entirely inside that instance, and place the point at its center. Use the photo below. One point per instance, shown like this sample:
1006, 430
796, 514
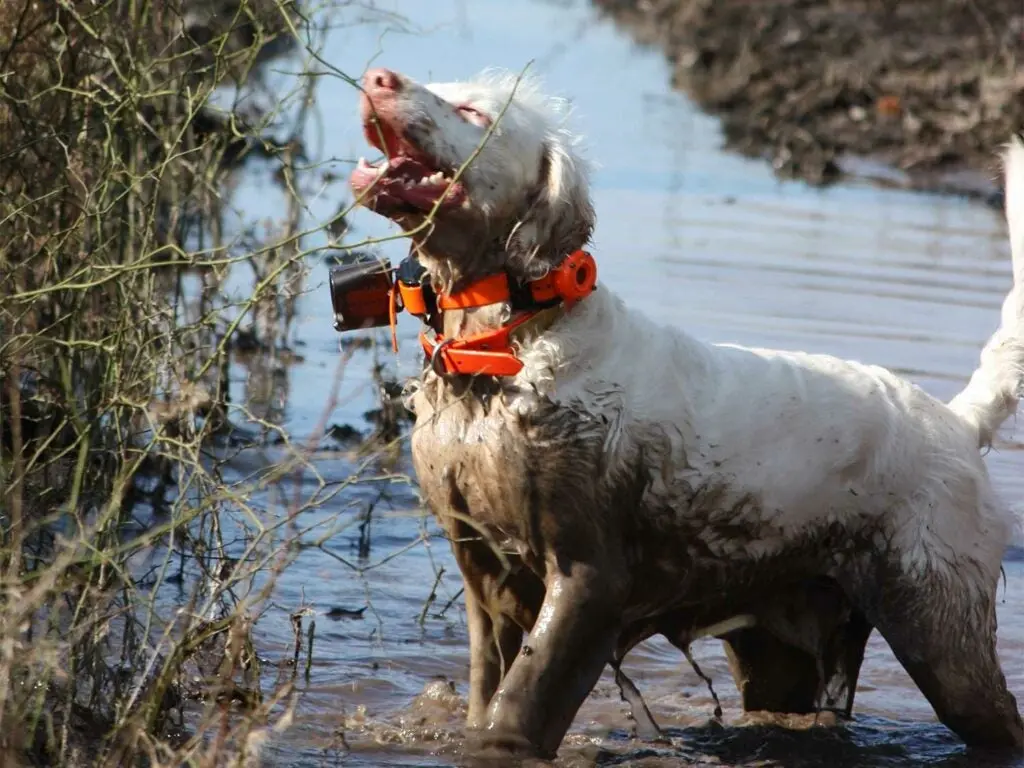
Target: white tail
991, 396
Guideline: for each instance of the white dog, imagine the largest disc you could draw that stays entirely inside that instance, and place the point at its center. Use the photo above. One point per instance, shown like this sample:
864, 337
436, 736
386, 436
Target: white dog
603, 478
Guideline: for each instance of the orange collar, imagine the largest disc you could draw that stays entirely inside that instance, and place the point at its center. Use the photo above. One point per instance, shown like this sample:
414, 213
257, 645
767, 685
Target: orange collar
492, 352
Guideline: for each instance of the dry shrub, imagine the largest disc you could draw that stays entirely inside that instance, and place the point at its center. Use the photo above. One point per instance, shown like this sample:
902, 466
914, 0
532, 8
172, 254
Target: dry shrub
113, 394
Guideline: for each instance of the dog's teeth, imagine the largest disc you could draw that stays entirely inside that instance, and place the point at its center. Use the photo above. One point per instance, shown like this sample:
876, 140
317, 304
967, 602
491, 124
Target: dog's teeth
436, 178
361, 163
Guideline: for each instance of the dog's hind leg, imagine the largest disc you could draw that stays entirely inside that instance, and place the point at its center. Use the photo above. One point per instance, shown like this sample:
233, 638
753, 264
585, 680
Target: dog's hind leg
771, 675
941, 626
844, 659
804, 653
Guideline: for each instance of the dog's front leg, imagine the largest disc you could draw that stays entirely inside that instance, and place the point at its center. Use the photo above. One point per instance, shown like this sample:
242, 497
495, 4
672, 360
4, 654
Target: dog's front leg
573, 638
494, 640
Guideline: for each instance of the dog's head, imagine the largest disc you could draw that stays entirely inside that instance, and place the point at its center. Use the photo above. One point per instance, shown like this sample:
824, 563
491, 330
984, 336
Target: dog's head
521, 202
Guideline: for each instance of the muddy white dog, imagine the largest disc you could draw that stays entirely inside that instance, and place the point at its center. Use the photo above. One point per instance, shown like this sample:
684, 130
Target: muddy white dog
611, 478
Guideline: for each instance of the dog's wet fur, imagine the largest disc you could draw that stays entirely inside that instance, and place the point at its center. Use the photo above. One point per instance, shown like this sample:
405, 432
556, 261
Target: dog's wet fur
634, 481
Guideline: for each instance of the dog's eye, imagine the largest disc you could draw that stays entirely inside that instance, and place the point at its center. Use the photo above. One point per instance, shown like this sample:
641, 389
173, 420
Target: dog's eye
473, 115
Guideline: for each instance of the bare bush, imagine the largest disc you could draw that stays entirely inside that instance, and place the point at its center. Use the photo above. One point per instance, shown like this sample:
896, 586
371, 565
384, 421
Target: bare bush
115, 416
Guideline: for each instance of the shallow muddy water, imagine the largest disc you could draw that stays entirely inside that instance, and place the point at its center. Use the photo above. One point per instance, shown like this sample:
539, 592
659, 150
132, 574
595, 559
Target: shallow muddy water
699, 239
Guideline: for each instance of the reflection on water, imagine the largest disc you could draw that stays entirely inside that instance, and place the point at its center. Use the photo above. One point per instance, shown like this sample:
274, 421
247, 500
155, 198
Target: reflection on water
699, 239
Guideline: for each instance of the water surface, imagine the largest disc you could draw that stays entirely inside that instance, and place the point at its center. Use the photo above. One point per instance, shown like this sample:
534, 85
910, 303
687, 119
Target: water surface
697, 238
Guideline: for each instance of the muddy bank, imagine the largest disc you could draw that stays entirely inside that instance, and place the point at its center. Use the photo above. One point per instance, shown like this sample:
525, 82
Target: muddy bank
917, 93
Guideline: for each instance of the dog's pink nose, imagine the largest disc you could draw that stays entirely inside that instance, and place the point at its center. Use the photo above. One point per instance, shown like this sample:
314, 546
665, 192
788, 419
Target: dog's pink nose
381, 79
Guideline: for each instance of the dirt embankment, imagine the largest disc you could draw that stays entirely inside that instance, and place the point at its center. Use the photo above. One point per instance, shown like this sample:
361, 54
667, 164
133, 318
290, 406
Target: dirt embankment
925, 91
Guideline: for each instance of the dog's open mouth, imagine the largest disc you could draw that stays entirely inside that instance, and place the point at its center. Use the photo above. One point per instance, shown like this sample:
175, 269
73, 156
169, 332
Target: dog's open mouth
406, 180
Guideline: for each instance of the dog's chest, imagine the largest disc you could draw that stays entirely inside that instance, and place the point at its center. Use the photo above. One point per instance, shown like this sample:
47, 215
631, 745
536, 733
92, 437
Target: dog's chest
499, 470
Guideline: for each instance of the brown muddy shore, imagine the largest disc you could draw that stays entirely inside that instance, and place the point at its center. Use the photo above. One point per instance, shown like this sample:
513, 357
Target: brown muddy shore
916, 93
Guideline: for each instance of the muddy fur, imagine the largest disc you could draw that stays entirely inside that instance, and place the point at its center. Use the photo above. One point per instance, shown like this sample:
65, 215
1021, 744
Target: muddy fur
532, 484
633, 481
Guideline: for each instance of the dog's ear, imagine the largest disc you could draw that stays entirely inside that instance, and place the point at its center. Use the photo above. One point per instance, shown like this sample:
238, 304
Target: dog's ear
559, 217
